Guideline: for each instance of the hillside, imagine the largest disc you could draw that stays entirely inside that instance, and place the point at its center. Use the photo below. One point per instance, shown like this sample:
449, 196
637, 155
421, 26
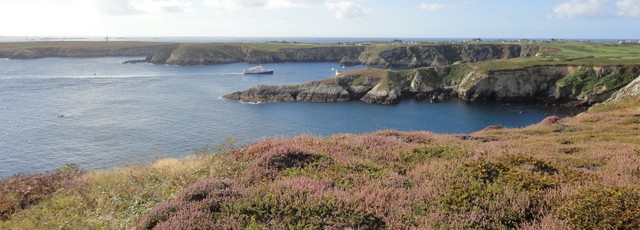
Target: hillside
580, 172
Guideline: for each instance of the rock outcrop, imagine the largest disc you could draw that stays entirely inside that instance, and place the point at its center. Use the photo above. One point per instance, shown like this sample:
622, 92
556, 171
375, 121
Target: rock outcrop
575, 85
315, 91
528, 84
632, 89
369, 85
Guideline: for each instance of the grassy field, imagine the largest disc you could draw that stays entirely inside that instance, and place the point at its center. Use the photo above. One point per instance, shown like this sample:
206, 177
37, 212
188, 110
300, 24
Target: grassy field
591, 54
581, 172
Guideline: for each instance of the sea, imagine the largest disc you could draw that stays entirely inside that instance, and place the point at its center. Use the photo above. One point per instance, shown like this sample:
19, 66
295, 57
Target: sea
100, 114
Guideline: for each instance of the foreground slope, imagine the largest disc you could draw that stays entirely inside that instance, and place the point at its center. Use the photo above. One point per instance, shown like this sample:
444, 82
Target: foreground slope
581, 172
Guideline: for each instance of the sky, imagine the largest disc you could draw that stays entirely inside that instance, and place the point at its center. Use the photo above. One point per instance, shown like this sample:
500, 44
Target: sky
571, 19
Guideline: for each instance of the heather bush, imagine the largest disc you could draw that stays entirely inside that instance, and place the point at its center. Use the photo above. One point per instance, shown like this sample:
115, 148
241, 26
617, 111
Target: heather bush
500, 194
193, 208
304, 203
425, 152
284, 157
19, 192
603, 208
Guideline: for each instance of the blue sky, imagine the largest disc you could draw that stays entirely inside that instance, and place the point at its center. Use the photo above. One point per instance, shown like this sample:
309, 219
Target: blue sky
323, 18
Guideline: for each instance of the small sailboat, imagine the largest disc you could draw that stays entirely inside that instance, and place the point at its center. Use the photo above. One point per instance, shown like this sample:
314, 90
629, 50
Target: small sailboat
336, 71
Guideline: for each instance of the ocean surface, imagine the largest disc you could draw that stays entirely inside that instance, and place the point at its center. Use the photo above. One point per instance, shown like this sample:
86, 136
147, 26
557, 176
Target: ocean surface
99, 113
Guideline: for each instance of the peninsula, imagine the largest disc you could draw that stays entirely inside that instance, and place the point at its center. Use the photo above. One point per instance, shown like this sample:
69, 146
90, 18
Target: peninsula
576, 74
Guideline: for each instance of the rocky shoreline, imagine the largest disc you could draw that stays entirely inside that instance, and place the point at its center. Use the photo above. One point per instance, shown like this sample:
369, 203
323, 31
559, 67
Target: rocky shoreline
562, 84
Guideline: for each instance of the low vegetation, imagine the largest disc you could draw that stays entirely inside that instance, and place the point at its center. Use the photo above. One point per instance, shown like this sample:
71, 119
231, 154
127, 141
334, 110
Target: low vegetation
580, 172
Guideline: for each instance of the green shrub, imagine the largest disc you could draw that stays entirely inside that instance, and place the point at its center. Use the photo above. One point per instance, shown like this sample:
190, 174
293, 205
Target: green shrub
603, 208
425, 152
581, 81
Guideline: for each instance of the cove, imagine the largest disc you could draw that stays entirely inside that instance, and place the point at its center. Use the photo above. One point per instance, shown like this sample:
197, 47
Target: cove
100, 114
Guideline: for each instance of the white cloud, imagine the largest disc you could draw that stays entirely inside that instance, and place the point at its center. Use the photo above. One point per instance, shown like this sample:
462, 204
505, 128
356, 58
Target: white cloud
628, 8
345, 9
116, 7
245, 4
132, 7
580, 8
432, 6
168, 6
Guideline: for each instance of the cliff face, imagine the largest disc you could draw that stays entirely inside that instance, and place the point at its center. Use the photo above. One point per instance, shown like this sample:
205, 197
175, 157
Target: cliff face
555, 84
439, 55
632, 89
196, 54
535, 83
84, 51
345, 55
205, 54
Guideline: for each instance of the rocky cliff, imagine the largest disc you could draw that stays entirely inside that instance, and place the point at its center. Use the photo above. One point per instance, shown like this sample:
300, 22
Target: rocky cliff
632, 89
373, 56
440, 55
577, 85
378, 55
27, 50
369, 85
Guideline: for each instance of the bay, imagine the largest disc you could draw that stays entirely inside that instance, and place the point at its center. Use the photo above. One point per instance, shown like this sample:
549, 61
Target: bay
100, 114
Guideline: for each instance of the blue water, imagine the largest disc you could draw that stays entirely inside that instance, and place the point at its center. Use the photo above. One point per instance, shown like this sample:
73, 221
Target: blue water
126, 114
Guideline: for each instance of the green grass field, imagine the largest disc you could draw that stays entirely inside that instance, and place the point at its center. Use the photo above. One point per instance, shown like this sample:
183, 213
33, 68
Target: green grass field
592, 54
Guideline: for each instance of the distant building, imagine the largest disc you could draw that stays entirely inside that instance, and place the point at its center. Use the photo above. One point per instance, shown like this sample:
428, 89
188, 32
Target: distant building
477, 39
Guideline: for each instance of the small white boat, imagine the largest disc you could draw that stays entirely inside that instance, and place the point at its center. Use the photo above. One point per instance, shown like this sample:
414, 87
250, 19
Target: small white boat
336, 71
258, 70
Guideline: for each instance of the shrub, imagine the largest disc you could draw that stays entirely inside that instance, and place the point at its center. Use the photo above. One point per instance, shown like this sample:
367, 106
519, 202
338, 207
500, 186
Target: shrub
581, 81
21, 191
499, 194
425, 152
305, 204
193, 208
284, 157
603, 208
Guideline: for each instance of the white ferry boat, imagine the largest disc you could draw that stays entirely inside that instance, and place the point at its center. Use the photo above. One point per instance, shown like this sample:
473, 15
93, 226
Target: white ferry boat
258, 70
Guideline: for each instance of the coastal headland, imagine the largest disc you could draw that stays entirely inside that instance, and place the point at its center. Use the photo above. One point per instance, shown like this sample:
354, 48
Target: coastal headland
572, 173
569, 73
